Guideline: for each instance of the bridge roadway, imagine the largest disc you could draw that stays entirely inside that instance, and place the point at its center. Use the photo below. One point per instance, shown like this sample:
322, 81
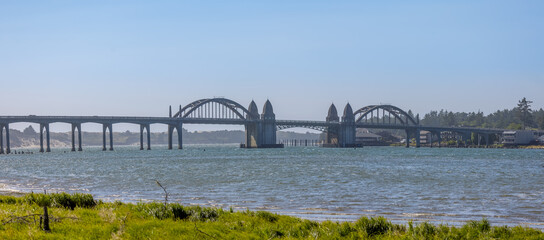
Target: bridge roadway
177, 122
282, 124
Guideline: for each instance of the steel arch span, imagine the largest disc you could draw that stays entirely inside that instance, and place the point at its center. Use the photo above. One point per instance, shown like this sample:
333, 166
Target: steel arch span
317, 128
213, 108
389, 112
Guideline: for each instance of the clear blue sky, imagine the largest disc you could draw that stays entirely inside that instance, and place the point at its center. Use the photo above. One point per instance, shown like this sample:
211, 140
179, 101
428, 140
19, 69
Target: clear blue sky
139, 57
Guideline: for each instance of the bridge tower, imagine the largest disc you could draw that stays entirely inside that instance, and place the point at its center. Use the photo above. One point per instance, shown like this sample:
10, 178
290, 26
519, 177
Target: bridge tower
347, 128
268, 127
254, 127
332, 131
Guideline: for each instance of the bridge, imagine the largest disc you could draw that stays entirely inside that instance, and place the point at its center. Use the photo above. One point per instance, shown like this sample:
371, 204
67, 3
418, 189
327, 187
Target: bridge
260, 128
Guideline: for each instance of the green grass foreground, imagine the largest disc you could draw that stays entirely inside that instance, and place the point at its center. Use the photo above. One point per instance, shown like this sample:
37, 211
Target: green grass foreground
79, 216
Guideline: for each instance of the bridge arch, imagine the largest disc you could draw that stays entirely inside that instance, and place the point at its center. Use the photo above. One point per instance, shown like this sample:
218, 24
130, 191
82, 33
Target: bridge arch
393, 112
213, 108
316, 128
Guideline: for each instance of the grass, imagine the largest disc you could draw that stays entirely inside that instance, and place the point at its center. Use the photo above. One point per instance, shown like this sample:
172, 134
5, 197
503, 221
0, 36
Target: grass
79, 216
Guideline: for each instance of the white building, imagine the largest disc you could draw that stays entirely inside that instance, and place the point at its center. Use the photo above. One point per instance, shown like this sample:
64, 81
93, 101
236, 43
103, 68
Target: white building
519, 137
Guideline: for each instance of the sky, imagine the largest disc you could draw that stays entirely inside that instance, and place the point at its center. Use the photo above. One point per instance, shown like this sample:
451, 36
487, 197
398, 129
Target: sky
136, 58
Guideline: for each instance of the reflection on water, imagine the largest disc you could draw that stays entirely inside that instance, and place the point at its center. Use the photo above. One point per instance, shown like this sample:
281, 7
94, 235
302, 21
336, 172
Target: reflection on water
436, 185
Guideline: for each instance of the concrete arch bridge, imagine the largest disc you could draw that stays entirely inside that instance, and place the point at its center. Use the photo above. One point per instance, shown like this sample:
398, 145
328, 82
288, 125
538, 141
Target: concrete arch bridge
260, 128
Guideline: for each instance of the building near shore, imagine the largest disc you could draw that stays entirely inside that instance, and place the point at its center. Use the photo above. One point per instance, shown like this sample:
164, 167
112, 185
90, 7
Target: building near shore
519, 137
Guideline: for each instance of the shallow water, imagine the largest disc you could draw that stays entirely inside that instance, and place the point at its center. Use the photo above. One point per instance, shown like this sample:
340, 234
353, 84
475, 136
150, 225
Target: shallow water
443, 185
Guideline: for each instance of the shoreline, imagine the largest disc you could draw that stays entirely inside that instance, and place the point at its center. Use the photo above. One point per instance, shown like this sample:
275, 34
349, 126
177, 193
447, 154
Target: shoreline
300, 215
76, 215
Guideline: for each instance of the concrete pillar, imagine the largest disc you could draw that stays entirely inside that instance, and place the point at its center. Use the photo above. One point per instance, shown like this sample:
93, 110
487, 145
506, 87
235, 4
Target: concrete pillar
73, 137
180, 135
431, 140
347, 128
141, 137
170, 133
104, 137
439, 139
407, 138
1, 139
47, 138
478, 136
418, 138
79, 148
148, 138
8, 149
487, 140
111, 137
253, 128
41, 138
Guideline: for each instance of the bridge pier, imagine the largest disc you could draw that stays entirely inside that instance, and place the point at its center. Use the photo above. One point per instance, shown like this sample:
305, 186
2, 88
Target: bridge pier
253, 128
8, 150
142, 128
407, 138
179, 129
45, 126
1, 139
347, 128
332, 130
170, 133
439, 139
418, 138
105, 127
76, 126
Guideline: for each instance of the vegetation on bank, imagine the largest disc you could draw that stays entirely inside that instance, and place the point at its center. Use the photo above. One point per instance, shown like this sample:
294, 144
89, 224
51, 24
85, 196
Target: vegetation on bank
519, 117
79, 216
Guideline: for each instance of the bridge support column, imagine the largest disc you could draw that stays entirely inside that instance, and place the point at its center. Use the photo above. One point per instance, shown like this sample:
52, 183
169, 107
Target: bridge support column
439, 139
253, 128
431, 139
104, 128
170, 133
179, 129
142, 128
47, 138
41, 138
1, 139
45, 126
418, 138
487, 140
407, 138
76, 126
79, 143
347, 128
8, 149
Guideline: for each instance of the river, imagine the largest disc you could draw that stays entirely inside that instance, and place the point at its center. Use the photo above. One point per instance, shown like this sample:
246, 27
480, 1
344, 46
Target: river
446, 185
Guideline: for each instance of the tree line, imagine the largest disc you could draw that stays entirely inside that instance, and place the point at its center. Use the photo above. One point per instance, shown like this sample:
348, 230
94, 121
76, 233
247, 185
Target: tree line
519, 117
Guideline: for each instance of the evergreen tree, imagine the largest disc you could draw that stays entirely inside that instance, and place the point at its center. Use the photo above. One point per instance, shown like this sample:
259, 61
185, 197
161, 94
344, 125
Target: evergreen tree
524, 112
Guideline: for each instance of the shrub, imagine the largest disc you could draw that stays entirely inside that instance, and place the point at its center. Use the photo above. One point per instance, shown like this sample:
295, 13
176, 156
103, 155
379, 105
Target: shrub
374, 226
270, 217
204, 214
425, 230
180, 212
84, 200
8, 199
63, 199
154, 209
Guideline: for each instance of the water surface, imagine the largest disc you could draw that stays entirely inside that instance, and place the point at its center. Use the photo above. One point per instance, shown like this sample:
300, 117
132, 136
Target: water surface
436, 185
